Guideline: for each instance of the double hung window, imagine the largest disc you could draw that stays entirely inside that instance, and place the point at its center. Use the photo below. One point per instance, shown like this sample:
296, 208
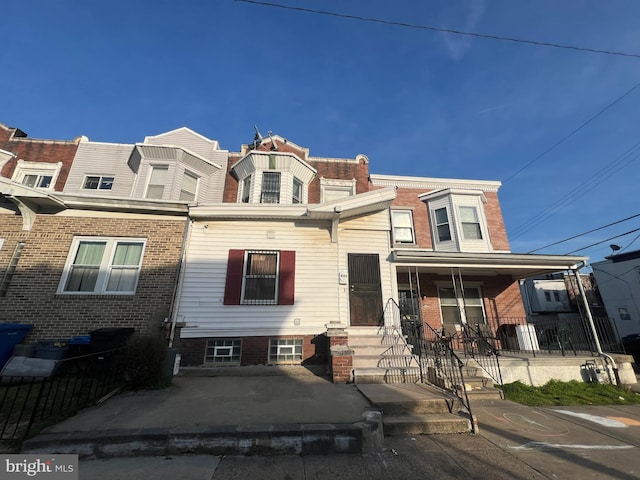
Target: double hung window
157, 181
442, 225
402, 224
270, 187
103, 266
189, 187
260, 277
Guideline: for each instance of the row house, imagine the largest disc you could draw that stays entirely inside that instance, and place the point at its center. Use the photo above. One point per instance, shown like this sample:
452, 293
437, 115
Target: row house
264, 256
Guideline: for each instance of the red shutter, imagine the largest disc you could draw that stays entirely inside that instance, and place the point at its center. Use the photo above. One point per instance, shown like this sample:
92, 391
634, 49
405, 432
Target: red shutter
233, 285
287, 284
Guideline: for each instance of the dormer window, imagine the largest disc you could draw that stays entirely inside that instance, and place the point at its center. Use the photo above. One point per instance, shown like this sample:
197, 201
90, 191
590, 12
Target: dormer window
189, 187
270, 187
272, 177
470, 223
296, 197
37, 174
442, 225
246, 189
98, 183
157, 181
37, 181
458, 223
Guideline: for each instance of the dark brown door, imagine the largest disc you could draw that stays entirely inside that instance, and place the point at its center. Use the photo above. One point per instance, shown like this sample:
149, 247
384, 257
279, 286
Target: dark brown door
365, 292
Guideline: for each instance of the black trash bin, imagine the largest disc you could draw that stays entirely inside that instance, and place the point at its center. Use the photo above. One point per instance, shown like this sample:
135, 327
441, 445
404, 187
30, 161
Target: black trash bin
109, 338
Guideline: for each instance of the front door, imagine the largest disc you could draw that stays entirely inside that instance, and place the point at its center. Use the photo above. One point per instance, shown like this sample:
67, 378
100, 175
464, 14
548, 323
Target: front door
365, 291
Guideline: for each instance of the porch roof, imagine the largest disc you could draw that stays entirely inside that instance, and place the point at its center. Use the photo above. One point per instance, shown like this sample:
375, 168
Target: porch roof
516, 265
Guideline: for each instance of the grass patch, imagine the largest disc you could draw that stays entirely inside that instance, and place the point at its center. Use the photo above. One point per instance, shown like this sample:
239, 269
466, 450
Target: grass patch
555, 393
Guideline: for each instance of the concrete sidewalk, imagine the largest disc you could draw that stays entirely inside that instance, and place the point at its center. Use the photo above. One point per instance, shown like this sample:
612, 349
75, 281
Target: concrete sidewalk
307, 415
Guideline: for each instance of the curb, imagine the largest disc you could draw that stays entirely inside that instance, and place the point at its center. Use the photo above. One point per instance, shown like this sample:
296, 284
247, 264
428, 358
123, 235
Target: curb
365, 436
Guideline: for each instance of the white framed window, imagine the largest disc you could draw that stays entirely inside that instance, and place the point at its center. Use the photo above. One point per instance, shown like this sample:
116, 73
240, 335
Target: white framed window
103, 266
37, 180
284, 350
470, 223
443, 230
157, 181
260, 278
97, 182
37, 174
246, 190
223, 351
189, 187
297, 193
461, 305
402, 226
270, 192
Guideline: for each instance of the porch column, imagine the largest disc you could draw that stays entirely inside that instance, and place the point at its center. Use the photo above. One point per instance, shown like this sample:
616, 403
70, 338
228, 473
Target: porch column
341, 354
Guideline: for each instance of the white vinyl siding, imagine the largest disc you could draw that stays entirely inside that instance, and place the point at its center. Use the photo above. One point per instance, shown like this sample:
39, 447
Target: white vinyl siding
100, 160
319, 297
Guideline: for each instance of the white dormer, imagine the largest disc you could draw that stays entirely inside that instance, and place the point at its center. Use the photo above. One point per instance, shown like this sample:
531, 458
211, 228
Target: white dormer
272, 177
458, 221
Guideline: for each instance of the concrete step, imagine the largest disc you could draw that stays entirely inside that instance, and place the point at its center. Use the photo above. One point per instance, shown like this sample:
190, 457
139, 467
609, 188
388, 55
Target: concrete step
365, 340
379, 375
379, 350
385, 361
484, 394
419, 424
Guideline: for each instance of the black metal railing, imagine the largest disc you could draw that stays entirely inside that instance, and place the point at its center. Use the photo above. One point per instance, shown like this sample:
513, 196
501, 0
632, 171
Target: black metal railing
28, 403
481, 345
439, 364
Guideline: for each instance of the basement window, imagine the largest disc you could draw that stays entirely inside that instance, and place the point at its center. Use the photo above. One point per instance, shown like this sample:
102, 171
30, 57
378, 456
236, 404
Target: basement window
285, 350
223, 351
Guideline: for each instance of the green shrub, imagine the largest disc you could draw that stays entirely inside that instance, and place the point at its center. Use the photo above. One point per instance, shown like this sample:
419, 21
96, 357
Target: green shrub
144, 360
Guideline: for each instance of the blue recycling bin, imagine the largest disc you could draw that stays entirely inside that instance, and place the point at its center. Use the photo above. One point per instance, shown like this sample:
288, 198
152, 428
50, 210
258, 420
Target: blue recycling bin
11, 334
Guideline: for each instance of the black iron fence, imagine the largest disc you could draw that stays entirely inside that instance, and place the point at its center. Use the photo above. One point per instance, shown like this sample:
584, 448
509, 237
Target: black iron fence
30, 402
548, 335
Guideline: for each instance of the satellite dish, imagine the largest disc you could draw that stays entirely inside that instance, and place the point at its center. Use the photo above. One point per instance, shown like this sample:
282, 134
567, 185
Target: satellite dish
614, 248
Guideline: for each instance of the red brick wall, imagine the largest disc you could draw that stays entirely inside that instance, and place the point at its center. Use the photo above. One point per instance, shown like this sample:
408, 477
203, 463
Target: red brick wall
32, 297
497, 229
408, 197
502, 299
255, 350
34, 150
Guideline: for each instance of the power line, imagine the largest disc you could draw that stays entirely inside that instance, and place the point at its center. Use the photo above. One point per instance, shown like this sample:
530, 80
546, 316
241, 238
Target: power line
604, 241
586, 233
566, 137
600, 176
437, 29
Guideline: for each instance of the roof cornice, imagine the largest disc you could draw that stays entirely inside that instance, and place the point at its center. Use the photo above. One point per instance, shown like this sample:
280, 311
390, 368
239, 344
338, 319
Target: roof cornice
428, 183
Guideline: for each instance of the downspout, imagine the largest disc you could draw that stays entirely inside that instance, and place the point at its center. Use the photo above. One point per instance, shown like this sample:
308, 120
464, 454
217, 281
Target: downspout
175, 298
592, 325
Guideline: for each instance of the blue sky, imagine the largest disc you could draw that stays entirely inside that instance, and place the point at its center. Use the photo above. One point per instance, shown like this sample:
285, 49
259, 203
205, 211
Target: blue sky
416, 102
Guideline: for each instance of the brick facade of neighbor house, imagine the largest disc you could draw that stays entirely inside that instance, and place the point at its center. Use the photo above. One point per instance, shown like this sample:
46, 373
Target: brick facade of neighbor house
255, 350
31, 296
36, 150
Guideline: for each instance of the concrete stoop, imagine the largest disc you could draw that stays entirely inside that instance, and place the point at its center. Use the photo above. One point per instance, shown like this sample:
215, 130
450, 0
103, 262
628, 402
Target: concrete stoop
479, 386
297, 439
381, 356
414, 409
